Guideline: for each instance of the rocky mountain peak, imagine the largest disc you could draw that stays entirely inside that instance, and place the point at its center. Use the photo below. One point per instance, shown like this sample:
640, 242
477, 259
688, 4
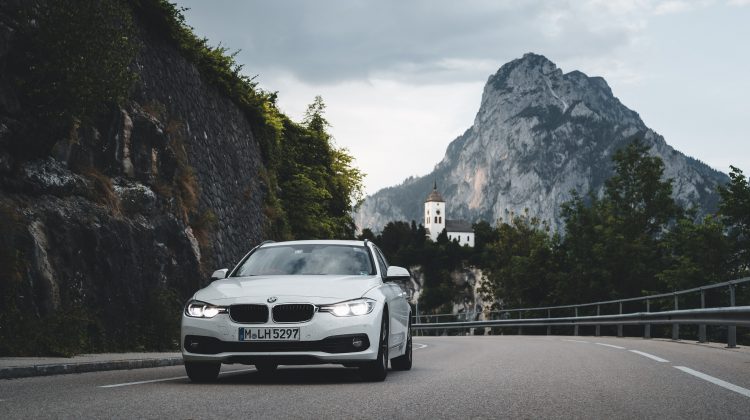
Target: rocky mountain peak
539, 134
533, 83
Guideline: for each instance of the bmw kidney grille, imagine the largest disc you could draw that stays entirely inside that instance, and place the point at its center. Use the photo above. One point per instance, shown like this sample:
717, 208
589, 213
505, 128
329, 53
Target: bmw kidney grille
295, 312
249, 314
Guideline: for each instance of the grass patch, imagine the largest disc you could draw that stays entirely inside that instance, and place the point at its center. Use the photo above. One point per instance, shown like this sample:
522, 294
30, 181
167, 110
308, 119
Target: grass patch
103, 192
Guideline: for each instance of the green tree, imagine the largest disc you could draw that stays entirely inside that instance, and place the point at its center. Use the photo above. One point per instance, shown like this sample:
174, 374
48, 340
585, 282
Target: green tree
319, 183
638, 197
521, 265
734, 210
695, 254
589, 239
314, 116
484, 234
366, 234
396, 237
612, 244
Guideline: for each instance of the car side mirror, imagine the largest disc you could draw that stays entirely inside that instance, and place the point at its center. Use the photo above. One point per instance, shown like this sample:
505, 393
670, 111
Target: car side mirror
397, 274
219, 274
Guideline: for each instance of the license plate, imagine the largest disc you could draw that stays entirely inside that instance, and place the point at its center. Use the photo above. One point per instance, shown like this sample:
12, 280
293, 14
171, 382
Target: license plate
269, 334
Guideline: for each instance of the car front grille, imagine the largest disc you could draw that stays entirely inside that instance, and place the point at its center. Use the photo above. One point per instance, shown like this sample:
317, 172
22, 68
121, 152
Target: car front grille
249, 314
296, 312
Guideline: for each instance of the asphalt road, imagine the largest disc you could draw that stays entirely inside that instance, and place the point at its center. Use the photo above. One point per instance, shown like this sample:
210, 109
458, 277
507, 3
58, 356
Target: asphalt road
452, 377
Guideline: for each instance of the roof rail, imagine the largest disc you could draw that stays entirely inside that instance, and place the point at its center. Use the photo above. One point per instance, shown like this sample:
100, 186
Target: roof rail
267, 241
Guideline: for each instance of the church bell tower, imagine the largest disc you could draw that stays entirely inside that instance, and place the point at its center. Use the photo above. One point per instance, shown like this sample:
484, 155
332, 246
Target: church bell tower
434, 213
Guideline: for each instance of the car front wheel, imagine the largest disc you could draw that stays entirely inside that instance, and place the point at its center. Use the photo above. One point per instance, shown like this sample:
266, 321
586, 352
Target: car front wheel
377, 370
202, 371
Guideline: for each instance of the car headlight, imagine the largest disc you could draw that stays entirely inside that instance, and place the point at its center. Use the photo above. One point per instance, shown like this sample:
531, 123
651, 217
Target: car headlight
350, 308
198, 309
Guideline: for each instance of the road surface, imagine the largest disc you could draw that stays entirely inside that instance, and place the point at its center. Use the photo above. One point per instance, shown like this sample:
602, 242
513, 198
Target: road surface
453, 377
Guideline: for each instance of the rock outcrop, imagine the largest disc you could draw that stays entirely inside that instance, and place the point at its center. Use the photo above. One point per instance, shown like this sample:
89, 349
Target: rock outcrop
539, 134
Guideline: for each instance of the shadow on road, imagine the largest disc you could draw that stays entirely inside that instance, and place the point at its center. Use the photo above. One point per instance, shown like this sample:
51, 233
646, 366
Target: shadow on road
297, 376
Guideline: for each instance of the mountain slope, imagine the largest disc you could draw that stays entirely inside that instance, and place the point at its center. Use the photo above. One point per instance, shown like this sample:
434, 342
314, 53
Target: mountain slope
539, 134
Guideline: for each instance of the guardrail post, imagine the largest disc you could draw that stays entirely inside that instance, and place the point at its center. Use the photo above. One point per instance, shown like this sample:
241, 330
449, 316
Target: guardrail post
417, 317
598, 327
549, 327
732, 329
520, 329
575, 328
702, 327
647, 327
619, 326
676, 327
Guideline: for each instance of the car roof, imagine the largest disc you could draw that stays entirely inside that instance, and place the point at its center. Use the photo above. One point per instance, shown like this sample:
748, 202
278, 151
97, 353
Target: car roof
315, 242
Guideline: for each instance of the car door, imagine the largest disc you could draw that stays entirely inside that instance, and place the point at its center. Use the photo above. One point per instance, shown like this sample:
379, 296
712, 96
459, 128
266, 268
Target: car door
397, 304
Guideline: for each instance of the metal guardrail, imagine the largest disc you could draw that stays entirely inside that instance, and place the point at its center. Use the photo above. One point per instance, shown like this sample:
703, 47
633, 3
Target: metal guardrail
730, 316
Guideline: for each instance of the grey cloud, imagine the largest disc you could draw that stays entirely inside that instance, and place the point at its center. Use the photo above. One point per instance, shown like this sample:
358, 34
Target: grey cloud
336, 40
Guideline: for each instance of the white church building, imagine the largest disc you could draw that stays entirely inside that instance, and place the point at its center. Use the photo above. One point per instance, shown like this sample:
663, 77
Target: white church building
435, 221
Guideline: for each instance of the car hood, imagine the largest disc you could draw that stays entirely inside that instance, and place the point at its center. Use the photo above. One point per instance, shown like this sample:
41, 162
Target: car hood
320, 289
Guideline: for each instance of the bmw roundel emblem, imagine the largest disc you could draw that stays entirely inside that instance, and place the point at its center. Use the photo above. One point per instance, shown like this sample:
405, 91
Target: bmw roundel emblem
272, 299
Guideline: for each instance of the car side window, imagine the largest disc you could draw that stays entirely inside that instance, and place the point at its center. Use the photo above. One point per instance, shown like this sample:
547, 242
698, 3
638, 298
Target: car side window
381, 262
385, 260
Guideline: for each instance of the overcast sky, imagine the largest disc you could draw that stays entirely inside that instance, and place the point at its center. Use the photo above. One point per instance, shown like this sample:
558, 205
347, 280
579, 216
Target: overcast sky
401, 78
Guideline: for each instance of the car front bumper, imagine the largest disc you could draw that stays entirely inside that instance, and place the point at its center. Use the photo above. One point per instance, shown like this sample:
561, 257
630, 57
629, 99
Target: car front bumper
324, 339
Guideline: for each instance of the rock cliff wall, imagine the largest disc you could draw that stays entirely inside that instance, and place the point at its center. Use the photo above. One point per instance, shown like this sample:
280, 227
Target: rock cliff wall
103, 241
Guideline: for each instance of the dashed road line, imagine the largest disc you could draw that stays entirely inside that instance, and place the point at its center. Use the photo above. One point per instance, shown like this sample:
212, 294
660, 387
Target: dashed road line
650, 356
610, 345
724, 384
716, 381
165, 379
419, 344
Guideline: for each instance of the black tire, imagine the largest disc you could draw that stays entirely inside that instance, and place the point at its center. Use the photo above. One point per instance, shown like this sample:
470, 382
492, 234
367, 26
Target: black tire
266, 368
202, 371
404, 362
377, 370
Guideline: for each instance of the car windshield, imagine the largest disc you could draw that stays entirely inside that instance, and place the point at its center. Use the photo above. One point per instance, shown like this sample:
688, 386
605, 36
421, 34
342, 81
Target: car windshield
307, 259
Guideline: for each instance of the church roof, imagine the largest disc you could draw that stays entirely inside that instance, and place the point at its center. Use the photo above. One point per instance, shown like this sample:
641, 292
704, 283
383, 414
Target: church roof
434, 195
458, 226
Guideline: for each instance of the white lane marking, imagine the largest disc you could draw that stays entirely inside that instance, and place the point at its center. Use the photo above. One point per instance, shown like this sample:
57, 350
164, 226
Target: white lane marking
419, 344
577, 341
650, 356
610, 345
724, 384
142, 382
165, 379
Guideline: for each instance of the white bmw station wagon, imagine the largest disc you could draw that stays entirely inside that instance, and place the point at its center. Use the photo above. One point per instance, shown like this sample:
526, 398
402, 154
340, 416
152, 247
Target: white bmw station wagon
299, 303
